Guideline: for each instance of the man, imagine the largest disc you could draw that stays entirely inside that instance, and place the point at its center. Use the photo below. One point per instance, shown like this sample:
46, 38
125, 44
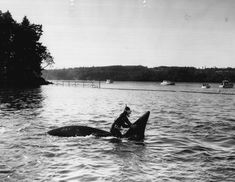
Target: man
121, 122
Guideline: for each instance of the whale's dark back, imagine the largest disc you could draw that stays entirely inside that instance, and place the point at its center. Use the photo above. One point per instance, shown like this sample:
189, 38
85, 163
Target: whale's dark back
134, 133
72, 131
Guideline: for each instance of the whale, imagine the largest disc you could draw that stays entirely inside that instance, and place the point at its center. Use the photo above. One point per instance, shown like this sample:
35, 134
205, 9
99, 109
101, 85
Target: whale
136, 132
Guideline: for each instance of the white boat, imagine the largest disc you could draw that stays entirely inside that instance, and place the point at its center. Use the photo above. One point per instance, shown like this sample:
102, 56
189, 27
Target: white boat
109, 81
206, 85
166, 82
226, 84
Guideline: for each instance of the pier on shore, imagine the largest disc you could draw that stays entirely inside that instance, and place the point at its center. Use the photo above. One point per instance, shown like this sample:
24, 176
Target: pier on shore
81, 83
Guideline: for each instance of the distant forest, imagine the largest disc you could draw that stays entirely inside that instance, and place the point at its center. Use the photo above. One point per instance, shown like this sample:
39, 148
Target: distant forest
141, 73
22, 55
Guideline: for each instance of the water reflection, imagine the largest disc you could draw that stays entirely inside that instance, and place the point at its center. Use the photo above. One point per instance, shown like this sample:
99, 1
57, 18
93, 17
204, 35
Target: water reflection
19, 99
19, 128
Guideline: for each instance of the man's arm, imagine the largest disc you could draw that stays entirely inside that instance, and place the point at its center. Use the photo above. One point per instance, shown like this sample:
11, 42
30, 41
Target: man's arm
127, 123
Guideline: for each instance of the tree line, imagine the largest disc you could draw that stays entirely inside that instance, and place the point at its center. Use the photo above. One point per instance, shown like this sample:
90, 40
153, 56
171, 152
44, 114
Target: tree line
141, 73
22, 55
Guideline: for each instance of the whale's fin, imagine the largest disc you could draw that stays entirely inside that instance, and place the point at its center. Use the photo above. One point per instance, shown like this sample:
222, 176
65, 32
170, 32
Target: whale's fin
136, 132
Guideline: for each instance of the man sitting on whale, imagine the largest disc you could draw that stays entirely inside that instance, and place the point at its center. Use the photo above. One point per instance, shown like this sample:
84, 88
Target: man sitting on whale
121, 122
135, 132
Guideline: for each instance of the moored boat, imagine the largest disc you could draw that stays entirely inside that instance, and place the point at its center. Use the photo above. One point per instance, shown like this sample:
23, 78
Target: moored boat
166, 82
108, 81
206, 85
226, 84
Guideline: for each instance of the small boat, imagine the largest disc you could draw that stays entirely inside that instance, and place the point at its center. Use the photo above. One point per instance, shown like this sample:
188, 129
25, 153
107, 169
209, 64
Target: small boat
226, 84
206, 85
109, 81
166, 82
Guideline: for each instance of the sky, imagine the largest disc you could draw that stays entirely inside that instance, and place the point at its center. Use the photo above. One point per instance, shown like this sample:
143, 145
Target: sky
198, 33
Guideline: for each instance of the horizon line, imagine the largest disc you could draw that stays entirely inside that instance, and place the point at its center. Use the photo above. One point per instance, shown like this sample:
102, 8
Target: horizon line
202, 67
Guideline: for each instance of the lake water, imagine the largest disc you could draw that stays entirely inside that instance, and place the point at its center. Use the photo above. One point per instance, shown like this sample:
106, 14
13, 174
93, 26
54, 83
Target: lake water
190, 136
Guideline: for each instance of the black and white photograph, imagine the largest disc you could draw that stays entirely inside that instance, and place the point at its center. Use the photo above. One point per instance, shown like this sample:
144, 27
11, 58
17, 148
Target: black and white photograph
117, 90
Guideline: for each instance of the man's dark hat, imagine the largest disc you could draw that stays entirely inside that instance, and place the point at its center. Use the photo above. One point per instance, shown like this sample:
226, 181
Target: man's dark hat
127, 108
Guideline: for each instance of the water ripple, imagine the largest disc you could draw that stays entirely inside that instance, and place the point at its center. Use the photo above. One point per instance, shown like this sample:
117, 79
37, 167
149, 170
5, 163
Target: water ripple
189, 136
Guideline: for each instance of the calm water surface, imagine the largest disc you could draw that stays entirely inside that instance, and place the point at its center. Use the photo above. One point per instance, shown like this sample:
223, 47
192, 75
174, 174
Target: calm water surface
189, 137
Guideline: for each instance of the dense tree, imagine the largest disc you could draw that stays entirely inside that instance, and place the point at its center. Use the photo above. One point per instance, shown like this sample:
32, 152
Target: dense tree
141, 73
21, 53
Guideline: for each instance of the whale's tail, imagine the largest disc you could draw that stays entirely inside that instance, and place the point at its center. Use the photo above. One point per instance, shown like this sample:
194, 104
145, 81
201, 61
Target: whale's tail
136, 132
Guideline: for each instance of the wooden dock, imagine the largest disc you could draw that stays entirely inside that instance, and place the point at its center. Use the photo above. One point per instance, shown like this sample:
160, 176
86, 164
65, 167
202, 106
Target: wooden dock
79, 83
